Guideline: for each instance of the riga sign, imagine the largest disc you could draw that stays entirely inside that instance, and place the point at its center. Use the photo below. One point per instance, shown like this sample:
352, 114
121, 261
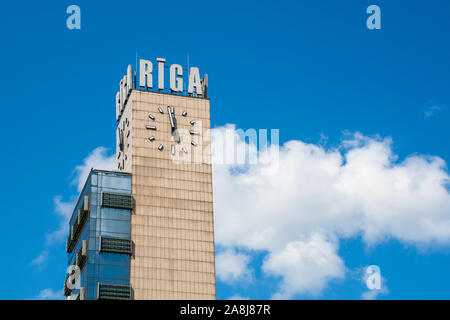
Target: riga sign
196, 86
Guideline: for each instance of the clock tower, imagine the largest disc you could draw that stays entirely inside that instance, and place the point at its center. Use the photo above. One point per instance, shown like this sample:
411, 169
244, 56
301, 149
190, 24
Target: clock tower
163, 142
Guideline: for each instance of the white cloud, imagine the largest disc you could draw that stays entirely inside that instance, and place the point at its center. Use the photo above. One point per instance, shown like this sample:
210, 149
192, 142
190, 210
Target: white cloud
357, 188
305, 266
232, 266
40, 259
50, 294
64, 211
97, 159
432, 110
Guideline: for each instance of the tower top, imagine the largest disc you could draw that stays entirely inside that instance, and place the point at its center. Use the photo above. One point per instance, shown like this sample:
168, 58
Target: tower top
196, 86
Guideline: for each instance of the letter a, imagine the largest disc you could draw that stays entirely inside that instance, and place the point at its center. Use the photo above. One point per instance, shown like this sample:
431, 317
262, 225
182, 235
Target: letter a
373, 281
374, 21
74, 20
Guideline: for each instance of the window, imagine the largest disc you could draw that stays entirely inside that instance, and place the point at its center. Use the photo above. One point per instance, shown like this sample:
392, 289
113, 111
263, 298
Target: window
82, 255
69, 244
78, 225
115, 245
114, 291
116, 200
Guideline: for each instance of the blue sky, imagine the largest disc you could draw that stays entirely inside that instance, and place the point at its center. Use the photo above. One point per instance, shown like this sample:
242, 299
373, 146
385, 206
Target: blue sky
311, 69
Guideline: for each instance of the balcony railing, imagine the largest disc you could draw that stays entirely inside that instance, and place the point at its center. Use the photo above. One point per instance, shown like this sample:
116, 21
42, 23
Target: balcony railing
115, 245
114, 292
82, 255
78, 225
116, 200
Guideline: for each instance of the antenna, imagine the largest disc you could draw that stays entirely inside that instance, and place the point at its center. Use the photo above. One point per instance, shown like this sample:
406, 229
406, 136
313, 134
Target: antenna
135, 66
188, 69
135, 71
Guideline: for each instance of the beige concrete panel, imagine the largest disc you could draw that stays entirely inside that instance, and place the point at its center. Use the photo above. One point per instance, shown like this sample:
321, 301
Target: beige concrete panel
172, 224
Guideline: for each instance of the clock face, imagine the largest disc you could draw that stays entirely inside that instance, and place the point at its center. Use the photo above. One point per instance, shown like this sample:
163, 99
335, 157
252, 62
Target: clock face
170, 114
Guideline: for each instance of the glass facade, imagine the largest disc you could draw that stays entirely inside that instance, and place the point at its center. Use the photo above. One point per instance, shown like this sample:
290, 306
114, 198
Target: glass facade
99, 240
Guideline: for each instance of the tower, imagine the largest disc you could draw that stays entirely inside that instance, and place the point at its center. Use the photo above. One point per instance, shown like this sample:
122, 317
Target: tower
163, 142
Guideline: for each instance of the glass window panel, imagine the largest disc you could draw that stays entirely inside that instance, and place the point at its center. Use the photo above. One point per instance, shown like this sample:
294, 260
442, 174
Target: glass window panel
108, 272
116, 182
92, 292
115, 214
114, 259
114, 226
94, 179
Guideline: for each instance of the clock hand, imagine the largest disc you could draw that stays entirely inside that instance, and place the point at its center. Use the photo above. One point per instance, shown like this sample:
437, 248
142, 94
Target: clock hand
170, 111
173, 123
121, 140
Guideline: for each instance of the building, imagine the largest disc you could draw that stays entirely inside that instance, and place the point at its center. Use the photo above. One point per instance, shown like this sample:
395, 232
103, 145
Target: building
99, 242
148, 231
